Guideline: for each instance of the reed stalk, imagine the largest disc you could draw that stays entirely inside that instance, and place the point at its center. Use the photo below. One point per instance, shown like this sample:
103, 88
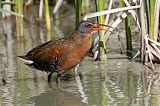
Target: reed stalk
109, 8
151, 19
57, 6
144, 25
19, 20
128, 35
8, 8
48, 35
40, 11
47, 15
147, 10
0, 13
78, 5
156, 19
100, 4
128, 30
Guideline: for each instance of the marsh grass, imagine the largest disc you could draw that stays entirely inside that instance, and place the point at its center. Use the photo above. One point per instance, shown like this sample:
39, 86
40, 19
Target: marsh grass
100, 4
19, 20
78, 10
127, 22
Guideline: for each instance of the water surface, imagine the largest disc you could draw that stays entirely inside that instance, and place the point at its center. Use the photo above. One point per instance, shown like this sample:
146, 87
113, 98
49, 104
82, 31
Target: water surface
115, 82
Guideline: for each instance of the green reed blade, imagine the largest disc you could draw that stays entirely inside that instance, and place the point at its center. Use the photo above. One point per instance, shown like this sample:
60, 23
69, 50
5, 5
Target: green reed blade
47, 15
128, 30
19, 20
11, 12
102, 48
78, 7
0, 13
151, 18
11, 2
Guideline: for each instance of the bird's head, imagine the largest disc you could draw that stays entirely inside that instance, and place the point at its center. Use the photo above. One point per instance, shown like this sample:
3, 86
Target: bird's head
87, 28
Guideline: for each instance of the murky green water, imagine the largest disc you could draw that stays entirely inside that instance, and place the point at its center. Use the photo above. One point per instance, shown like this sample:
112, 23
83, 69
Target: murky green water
115, 82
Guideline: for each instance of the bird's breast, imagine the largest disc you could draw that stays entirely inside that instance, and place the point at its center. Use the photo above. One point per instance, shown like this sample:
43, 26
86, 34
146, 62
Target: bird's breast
73, 55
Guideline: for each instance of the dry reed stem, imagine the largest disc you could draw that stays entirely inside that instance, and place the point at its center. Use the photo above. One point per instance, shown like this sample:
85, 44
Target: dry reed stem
155, 53
149, 52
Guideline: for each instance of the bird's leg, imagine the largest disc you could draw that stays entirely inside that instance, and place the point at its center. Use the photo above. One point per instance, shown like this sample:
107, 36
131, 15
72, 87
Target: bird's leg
50, 76
58, 78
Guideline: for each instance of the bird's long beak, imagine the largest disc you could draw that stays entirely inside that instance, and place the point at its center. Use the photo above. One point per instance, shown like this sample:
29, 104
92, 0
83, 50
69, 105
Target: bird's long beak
101, 27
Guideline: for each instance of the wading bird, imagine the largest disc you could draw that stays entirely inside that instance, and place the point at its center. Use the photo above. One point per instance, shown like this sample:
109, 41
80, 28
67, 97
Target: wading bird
63, 54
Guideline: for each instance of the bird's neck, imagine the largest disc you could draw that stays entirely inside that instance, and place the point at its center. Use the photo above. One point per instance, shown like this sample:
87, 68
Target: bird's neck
76, 35
82, 41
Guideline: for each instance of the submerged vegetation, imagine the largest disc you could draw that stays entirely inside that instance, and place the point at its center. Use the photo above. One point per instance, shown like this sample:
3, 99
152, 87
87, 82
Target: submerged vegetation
148, 27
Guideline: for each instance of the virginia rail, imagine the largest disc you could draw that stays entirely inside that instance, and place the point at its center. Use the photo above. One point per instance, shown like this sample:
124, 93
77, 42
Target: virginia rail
63, 54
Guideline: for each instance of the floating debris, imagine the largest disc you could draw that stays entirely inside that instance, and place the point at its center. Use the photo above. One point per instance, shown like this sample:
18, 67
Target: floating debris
4, 82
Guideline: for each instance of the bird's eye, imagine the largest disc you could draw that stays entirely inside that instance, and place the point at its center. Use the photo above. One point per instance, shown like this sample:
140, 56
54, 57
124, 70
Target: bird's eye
88, 24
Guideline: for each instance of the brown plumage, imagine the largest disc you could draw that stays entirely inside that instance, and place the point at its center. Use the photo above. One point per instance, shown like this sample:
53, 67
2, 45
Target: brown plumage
63, 54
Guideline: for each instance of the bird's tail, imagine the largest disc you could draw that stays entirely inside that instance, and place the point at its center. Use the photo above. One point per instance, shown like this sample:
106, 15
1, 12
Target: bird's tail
26, 60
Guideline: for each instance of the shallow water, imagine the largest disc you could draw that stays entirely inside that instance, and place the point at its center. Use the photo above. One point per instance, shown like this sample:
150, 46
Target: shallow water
115, 82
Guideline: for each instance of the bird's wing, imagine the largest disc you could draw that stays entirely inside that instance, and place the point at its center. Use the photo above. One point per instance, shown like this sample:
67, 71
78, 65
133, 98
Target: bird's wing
46, 52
